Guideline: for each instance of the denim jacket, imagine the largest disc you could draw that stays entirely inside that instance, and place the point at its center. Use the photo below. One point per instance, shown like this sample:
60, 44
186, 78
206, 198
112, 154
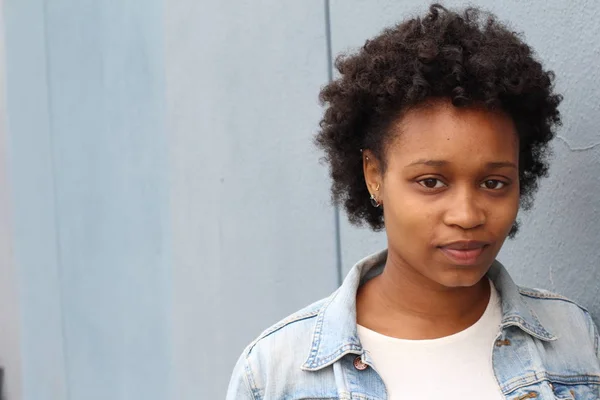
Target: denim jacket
546, 348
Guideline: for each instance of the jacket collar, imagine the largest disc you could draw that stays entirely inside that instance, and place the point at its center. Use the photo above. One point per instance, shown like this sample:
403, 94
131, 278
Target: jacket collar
335, 333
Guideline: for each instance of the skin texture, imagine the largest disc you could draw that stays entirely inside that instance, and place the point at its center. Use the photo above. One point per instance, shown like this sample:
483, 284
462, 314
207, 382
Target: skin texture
423, 293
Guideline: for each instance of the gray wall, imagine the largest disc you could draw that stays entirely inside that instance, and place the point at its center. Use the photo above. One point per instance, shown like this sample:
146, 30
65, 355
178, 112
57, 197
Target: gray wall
253, 234
163, 200
88, 172
10, 357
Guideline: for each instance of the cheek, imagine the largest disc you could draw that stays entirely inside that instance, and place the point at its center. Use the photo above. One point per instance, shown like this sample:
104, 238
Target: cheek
505, 210
407, 215
504, 215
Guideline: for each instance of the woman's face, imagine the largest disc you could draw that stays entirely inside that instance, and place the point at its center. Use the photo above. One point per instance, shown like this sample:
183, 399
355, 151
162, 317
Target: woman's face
450, 192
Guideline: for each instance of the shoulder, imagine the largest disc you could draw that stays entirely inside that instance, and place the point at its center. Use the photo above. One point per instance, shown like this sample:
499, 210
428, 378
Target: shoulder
287, 341
541, 299
561, 315
276, 356
298, 322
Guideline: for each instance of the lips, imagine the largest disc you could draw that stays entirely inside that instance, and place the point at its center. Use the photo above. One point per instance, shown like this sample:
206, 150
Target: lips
464, 252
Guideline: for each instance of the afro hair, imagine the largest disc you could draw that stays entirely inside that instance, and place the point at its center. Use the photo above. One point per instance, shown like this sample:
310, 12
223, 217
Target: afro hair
468, 57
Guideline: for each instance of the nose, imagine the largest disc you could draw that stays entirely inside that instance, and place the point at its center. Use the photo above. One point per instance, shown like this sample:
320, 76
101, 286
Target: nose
464, 210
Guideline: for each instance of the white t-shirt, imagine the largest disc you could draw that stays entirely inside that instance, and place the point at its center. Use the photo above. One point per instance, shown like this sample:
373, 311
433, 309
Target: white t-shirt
458, 366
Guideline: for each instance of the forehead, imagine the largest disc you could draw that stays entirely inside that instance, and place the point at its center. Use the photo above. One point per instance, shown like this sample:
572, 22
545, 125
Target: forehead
459, 135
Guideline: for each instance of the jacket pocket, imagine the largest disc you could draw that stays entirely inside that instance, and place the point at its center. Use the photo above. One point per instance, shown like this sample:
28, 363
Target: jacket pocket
575, 392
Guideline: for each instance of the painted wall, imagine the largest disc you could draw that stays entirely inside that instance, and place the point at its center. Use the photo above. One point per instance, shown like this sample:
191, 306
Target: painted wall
89, 172
10, 332
252, 230
164, 202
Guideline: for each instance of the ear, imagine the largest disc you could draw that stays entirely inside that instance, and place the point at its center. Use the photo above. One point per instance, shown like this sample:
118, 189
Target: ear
372, 171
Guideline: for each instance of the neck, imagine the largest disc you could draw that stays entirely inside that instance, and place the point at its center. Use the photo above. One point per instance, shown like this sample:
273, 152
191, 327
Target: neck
403, 303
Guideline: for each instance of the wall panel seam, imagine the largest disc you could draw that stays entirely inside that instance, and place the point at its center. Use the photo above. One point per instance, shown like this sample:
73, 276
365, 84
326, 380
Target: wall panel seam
336, 210
59, 276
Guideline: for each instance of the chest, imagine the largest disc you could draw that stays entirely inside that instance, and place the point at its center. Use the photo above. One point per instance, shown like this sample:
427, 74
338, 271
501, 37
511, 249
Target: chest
520, 368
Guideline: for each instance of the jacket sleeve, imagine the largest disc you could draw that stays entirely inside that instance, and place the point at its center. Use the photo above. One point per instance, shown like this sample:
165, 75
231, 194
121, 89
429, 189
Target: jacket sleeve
595, 334
239, 384
597, 340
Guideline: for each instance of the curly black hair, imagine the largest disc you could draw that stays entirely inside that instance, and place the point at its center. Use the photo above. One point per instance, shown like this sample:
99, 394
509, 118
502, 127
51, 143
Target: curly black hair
468, 57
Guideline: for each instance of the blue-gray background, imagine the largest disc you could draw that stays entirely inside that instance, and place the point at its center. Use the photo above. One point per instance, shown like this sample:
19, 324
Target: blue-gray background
161, 201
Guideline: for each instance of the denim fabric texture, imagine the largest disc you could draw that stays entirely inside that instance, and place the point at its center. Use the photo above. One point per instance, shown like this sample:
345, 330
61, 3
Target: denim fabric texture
547, 348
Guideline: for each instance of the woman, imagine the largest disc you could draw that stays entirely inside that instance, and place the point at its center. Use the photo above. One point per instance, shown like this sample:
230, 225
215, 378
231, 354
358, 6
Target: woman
437, 131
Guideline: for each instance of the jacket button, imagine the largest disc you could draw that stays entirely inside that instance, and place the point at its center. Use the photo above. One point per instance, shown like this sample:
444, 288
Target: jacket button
530, 395
359, 364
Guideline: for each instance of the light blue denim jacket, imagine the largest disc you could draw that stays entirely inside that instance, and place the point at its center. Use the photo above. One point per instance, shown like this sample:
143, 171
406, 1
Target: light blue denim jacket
546, 348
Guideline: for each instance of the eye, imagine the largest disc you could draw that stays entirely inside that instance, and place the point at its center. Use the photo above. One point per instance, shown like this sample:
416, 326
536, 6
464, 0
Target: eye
431, 183
493, 184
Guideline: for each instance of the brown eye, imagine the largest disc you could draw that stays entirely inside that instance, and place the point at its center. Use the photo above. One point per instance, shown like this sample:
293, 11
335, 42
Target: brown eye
431, 183
493, 184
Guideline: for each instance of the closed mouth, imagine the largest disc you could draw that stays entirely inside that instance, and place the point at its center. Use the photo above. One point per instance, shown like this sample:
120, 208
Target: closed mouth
465, 245
464, 252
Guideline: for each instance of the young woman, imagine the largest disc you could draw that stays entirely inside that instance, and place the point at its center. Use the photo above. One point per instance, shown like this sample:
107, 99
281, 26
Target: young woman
437, 131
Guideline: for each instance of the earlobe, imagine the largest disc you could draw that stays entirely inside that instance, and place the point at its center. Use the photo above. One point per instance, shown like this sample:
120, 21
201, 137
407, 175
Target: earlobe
371, 173
374, 201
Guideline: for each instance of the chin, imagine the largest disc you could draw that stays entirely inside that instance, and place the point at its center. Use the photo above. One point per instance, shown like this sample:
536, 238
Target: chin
459, 276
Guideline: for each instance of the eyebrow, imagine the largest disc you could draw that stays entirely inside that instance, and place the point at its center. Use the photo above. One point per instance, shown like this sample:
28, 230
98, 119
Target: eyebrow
443, 163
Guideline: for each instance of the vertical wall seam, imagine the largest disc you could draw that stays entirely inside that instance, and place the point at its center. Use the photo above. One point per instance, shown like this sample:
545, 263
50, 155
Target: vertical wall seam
336, 211
59, 275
